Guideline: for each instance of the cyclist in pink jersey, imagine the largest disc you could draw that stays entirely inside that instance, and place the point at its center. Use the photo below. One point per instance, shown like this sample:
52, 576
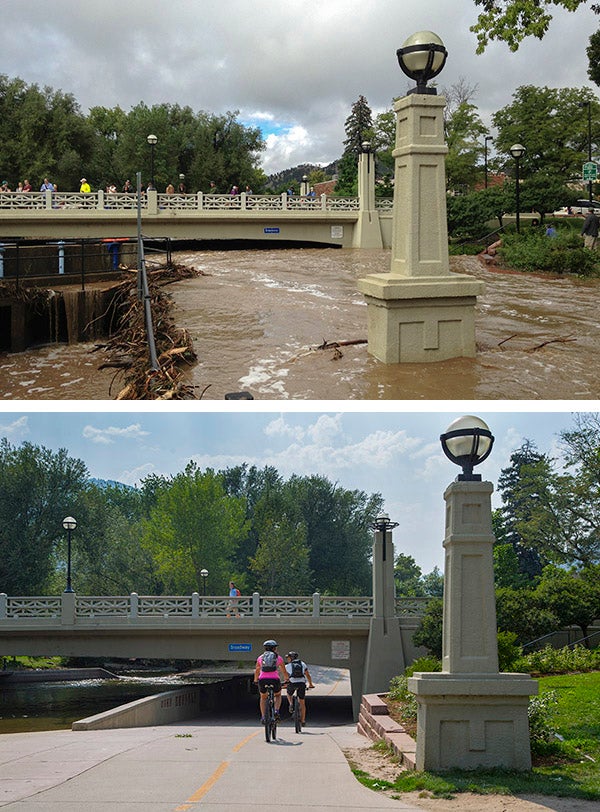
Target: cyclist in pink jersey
270, 669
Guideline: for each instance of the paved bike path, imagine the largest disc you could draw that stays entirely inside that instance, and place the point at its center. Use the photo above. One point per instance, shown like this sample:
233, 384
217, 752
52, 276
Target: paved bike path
217, 763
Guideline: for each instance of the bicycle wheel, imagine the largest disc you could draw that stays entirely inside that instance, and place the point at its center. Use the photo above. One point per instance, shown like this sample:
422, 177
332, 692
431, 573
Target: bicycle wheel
296, 715
268, 725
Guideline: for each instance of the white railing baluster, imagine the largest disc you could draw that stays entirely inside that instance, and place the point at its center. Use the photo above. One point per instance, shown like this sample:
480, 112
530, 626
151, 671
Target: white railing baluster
195, 604
133, 604
3, 605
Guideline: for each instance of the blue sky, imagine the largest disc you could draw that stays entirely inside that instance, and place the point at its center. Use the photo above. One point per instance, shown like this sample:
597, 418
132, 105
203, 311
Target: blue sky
392, 452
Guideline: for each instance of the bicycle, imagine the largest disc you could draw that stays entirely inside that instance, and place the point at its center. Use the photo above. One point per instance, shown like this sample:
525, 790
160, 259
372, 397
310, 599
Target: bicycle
270, 718
296, 712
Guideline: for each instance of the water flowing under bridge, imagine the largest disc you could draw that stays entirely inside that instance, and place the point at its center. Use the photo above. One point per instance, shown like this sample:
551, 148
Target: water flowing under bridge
347, 632
350, 222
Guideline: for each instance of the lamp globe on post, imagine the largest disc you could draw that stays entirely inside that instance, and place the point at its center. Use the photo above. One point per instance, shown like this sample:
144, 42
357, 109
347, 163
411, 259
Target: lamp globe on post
422, 57
204, 574
517, 151
467, 442
152, 140
69, 524
382, 524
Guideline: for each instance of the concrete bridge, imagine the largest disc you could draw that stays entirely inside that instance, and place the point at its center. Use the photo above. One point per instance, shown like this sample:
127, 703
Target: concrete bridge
371, 637
349, 222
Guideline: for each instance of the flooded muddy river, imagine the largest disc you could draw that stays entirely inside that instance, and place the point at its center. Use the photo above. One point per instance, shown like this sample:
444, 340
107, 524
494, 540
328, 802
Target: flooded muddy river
257, 317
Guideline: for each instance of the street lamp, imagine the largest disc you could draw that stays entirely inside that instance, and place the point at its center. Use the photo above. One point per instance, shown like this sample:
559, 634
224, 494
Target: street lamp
422, 57
467, 442
152, 140
69, 524
588, 104
487, 138
382, 524
517, 151
204, 574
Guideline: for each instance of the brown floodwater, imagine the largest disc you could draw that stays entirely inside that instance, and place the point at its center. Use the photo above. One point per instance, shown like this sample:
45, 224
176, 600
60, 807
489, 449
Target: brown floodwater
256, 318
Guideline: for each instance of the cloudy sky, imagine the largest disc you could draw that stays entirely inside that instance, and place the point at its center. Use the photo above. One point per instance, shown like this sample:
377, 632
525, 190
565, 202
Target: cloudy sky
292, 67
394, 453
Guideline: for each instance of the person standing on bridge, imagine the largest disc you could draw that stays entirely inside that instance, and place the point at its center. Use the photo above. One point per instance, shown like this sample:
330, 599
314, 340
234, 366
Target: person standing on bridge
85, 187
269, 668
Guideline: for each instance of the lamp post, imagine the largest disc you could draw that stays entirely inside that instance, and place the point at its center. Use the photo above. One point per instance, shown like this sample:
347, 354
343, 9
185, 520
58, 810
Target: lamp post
407, 309
517, 151
382, 524
152, 140
204, 574
487, 138
470, 694
588, 104
69, 524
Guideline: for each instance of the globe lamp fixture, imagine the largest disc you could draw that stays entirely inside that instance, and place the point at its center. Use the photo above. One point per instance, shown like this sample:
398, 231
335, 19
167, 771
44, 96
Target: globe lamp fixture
467, 442
421, 58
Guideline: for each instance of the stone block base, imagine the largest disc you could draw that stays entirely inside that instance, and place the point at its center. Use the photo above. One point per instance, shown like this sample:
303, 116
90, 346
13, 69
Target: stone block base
416, 320
470, 721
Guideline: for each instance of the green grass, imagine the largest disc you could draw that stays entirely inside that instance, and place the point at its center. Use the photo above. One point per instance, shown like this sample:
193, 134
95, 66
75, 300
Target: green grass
569, 766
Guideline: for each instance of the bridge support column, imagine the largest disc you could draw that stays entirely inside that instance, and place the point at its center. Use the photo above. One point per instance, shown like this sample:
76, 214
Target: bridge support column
367, 233
419, 311
385, 653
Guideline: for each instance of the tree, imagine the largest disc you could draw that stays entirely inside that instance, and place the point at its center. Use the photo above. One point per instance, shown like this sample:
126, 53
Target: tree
195, 524
464, 131
359, 128
519, 485
514, 20
280, 565
407, 577
550, 123
429, 633
521, 612
337, 532
38, 488
574, 599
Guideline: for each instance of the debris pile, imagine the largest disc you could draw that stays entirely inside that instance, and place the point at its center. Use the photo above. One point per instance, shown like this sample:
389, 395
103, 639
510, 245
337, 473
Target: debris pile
127, 350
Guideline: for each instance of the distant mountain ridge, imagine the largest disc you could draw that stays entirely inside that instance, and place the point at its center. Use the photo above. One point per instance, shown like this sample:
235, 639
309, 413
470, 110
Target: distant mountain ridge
296, 173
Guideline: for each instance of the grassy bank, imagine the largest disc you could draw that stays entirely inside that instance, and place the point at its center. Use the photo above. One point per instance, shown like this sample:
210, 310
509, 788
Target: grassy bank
566, 766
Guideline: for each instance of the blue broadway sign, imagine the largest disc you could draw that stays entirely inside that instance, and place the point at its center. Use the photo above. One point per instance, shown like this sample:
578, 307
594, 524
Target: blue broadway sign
271, 230
240, 647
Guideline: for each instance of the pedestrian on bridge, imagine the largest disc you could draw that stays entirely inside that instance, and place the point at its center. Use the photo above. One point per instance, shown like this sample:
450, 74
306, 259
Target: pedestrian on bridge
234, 594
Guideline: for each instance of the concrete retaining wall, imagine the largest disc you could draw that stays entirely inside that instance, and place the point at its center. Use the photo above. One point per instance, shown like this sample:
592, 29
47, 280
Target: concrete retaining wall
168, 707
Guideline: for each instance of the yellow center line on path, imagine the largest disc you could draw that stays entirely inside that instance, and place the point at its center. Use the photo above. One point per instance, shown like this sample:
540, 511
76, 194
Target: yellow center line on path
335, 685
212, 780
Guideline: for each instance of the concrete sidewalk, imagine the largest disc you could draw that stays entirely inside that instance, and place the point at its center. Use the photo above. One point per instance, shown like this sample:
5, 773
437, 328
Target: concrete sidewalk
183, 767
220, 762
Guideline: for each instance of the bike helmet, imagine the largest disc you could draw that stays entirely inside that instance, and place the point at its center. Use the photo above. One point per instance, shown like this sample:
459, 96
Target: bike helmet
293, 655
269, 645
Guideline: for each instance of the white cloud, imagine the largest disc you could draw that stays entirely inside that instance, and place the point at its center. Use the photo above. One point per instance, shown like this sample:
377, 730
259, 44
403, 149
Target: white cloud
304, 63
18, 429
135, 475
281, 428
112, 434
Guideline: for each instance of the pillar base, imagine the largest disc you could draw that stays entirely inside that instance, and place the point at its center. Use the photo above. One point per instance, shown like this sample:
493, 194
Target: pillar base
467, 721
420, 319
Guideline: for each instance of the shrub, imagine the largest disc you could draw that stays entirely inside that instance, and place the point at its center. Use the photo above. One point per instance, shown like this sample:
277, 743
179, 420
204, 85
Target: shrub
509, 651
560, 661
540, 712
533, 251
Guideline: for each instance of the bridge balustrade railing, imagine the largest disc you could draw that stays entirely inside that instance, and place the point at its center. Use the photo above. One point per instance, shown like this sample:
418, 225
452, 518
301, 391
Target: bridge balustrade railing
384, 204
70, 606
154, 202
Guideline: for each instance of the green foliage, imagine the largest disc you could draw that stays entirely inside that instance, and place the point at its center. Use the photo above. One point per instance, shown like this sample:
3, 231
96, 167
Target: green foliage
540, 713
192, 510
429, 633
569, 659
509, 651
511, 21
44, 133
553, 127
532, 250
469, 215
38, 488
